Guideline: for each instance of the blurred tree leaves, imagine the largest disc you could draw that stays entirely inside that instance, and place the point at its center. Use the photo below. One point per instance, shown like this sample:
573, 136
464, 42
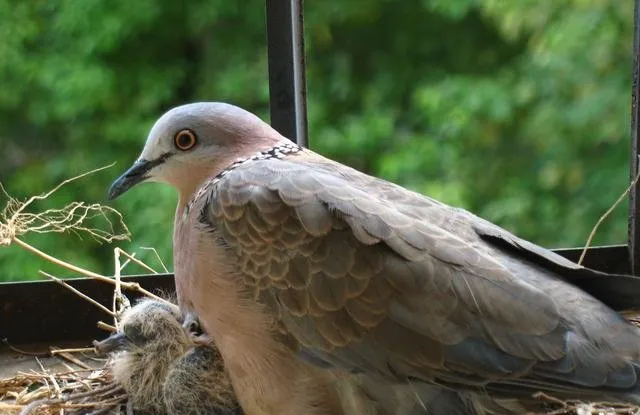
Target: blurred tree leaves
518, 111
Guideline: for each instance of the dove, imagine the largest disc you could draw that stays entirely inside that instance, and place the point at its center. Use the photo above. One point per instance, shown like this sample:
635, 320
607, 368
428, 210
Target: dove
301, 266
167, 367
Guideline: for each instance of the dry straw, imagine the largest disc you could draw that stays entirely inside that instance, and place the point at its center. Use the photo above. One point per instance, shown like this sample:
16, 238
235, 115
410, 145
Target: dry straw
80, 388
16, 220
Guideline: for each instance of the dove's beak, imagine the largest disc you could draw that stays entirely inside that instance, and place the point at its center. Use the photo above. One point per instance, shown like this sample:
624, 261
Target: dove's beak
137, 173
112, 343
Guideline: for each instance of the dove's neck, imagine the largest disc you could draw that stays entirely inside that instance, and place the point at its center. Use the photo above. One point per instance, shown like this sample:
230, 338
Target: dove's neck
190, 181
189, 184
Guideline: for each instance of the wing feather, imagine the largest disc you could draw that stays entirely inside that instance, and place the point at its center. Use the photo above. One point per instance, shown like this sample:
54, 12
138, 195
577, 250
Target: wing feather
369, 275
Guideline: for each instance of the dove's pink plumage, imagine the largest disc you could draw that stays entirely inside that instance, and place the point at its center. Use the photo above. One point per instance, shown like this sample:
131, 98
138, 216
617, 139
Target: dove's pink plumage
288, 258
267, 377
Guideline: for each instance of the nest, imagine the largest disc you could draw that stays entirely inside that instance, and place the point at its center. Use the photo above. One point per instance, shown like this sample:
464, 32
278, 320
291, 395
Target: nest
70, 381
85, 385
80, 391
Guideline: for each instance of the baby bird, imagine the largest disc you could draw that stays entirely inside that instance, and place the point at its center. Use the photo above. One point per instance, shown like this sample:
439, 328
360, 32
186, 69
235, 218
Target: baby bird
194, 385
166, 365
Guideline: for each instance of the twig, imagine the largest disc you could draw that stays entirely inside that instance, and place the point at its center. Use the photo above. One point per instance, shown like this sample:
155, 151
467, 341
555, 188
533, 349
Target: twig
56, 188
575, 406
125, 263
137, 261
117, 293
62, 401
605, 215
77, 292
55, 383
126, 285
72, 372
16, 221
150, 248
61, 263
73, 360
55, 351
40, 364
120, 302
563, 405
106, 327
9, 406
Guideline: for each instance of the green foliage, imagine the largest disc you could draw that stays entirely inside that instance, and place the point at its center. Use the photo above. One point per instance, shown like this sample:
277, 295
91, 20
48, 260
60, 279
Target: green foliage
518, 111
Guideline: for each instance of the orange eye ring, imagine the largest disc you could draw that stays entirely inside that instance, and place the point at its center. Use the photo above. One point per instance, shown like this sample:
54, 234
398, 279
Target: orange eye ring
185, 139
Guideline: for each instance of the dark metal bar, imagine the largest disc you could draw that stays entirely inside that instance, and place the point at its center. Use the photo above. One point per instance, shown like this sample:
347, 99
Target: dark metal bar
44, 311
634, 195
613, 259
287, 82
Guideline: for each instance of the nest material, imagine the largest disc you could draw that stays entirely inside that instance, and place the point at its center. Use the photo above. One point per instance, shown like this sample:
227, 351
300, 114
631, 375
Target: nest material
587, 408
76, 217
71, 392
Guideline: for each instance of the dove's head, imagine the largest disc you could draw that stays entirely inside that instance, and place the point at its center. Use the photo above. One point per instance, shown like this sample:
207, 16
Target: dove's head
192, 142
150, 325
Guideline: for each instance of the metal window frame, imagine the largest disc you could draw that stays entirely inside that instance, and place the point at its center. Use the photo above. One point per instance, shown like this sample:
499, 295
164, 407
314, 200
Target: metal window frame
42, 311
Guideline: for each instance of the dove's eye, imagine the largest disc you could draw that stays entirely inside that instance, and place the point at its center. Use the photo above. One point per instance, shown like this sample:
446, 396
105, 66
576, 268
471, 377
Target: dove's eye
185, 139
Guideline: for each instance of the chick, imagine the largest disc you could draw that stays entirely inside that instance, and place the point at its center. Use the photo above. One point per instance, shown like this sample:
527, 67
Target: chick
197, 385
167, 368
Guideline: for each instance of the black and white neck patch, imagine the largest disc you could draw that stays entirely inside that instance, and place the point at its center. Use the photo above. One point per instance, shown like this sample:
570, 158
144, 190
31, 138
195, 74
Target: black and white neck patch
278, 152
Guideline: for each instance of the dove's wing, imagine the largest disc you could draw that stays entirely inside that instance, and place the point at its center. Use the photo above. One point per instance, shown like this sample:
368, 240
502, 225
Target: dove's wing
620, 292
374, 278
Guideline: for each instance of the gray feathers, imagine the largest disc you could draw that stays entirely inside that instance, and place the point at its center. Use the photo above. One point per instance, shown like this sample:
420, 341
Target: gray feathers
371, 266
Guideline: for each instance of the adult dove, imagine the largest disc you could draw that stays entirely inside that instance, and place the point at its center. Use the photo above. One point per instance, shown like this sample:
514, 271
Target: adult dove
296, 263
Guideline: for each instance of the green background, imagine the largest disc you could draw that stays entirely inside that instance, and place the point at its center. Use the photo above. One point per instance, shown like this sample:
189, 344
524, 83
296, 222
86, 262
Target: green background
518, 111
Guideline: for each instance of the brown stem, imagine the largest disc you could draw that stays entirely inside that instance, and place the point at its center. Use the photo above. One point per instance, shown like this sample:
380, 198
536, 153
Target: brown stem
127, 285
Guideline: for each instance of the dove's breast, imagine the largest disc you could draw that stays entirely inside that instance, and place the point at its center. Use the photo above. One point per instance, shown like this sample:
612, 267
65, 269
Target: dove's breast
266, 376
